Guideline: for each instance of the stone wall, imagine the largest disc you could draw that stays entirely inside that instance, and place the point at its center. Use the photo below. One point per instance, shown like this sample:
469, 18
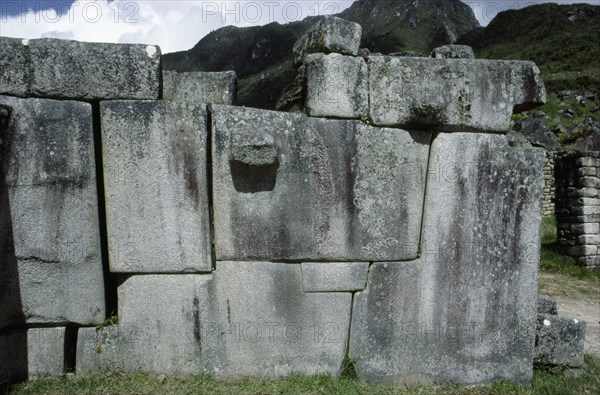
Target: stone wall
549, 203
399, 227
578, 206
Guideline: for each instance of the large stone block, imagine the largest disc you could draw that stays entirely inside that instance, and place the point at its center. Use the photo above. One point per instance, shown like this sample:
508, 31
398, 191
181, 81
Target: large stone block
334, 276
156, 190
559, 341
329, 35
451, 95
77, 70
264, 325
50, 243
31, 354
15, 66
336, 86
465, 311
246, 319
200, 87
159, 329
288, 187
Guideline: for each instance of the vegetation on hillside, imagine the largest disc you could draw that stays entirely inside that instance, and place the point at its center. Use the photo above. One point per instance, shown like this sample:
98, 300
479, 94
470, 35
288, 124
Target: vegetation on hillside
564, 40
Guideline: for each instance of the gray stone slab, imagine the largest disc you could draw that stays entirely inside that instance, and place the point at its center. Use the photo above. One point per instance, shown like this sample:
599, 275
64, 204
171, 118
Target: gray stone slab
337, 86
31, 354
159, 329
334, 276
154, 156
266, 326
200, 87
465, 311
49, 214
453, 52
451, 95
79, 70
329, 35
337, 191
15, 66
559, 341
547, 305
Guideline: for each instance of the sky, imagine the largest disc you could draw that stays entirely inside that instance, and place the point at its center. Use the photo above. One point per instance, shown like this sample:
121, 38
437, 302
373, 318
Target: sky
178, 25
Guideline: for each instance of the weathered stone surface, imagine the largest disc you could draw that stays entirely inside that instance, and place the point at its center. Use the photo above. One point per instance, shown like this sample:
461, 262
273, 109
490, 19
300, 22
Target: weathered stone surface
159, 330
246, 319
329, 35
334, 276
200, 87
267, 326
546, 305
452, 95
76, 70
465, 311
50, 255
559, 341
453, 52
157, 215
336, 86
31, 354
15, 70
339, 190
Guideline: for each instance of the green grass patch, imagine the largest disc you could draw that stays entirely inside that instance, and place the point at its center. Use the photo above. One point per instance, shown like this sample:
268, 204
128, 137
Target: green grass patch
545, 381
551, 260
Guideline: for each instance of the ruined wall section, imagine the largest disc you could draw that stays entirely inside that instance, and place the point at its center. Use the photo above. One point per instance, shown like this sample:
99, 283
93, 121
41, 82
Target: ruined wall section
393, 224
578, 206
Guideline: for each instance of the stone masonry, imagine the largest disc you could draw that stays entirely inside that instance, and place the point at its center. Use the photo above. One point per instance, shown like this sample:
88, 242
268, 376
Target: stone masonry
549, 202
578, 206
390, 224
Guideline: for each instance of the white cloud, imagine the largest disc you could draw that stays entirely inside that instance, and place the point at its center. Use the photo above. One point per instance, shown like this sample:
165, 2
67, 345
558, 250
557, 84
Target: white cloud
174, 25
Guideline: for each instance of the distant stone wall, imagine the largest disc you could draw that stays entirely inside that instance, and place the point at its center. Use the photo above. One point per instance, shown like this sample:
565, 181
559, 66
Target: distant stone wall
578, 206
394, 224
549, 204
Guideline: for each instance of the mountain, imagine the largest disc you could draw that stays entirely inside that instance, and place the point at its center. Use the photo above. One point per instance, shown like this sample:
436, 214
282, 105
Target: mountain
262, 55
564, 40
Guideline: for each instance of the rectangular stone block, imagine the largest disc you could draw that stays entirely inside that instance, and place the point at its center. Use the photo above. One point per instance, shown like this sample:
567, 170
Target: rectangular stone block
200, 87
450, 95
465, 311
334, 276
78, 70
589, 260
157, 216
50, 261
28, 354
590, 182
546, 305
337, 86
159, 331
15, 70
559, 341
589, 239
264, 325
580, 250
587, 171
288, 187
329, 34
589, 228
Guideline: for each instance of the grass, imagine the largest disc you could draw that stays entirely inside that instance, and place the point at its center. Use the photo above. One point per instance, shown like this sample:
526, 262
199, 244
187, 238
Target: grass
545, 381
552, 261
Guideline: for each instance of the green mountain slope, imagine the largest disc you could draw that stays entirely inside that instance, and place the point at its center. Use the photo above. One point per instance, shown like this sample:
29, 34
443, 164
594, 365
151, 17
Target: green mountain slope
564, 40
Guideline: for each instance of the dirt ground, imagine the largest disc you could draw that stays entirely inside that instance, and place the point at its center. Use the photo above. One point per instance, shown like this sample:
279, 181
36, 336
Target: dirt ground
576, 299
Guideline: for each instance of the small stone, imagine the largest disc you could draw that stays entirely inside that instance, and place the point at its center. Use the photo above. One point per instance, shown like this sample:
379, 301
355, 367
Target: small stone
547, 305
453, 52
200, 87
334, 276
559, 341
329, 35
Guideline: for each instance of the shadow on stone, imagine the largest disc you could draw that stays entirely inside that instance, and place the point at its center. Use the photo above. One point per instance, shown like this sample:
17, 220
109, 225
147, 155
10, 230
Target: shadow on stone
13, 344
249, 178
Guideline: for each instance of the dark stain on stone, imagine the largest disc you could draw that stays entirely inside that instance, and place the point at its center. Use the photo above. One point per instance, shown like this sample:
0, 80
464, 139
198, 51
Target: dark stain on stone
183, 151
351, 162
228, 312
197, 323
